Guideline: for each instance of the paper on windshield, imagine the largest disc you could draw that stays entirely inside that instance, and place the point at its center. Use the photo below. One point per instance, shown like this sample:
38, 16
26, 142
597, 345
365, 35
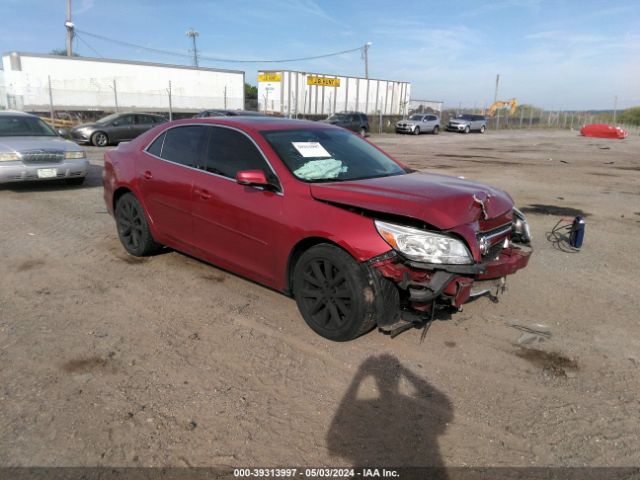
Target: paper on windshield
311, 149
320, 169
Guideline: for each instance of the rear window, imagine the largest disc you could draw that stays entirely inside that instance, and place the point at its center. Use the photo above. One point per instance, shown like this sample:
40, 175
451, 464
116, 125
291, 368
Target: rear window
183, 145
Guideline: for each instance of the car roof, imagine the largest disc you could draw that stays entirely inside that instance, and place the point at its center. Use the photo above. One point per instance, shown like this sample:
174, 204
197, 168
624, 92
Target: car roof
16, 113
257, 123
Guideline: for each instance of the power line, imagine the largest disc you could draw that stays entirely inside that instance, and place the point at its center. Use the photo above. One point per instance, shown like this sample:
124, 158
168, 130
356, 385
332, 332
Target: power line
213, 59
79, 37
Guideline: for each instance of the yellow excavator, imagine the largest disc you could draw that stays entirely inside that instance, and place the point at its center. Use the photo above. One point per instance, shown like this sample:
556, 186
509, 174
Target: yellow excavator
502, 104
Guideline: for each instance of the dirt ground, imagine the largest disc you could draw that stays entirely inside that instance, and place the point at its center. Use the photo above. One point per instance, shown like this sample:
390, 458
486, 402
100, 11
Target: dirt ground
106, 359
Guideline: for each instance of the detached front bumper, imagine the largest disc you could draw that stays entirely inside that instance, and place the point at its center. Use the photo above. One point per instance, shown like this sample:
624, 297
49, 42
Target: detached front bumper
20, 172
420, 285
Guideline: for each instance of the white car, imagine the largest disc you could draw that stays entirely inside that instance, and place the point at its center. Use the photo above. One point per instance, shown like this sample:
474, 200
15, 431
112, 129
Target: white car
31, 150
419, 123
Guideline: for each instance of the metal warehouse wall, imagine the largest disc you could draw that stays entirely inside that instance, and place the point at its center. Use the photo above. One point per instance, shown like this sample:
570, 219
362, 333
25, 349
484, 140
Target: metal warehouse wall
79, 83
292, 93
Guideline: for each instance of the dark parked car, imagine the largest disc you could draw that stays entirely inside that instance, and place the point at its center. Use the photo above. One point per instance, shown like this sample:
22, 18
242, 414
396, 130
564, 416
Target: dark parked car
467, 123
114, 128
228, 113
316, 212
354, 121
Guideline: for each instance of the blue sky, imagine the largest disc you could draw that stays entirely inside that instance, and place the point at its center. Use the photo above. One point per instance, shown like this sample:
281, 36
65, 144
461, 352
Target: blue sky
556, 54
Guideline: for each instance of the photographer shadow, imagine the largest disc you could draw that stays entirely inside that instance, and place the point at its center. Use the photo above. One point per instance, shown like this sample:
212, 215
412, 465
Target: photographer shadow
390, 417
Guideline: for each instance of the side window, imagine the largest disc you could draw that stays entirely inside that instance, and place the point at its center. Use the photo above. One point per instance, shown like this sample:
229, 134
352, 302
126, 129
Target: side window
230, 151
124, 121
156, 147
183, 145
144, 120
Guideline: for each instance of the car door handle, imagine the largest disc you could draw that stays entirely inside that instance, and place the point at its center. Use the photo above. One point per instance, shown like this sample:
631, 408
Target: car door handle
203, 194
147, 175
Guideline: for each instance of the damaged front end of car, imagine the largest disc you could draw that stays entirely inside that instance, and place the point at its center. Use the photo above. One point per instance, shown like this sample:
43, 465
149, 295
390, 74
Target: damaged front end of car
431, 269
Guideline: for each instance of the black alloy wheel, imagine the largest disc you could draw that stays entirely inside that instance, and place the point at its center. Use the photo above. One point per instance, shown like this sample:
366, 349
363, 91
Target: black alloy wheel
133, 229
333, 294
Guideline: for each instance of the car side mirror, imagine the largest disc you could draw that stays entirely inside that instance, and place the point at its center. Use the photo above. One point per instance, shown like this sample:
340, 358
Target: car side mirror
63, 132
254, 178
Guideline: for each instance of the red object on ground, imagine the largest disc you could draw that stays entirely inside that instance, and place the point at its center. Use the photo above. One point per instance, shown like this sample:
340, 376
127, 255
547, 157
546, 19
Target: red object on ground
602, 130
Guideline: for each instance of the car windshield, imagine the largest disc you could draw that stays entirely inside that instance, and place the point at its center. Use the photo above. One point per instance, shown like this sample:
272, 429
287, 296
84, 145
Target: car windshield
328, 155
24, 126
415, 117
108, 118
338, 117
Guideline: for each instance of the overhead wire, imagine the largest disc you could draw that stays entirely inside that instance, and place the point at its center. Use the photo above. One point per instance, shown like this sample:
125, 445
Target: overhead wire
214, 59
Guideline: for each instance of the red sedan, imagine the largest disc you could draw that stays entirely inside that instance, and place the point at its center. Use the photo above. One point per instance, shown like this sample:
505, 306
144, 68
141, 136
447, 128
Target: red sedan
316, 212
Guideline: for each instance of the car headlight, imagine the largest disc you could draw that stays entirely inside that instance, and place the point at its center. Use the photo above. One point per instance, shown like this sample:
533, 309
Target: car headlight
75, 155
520, 227
424, 246
9, 156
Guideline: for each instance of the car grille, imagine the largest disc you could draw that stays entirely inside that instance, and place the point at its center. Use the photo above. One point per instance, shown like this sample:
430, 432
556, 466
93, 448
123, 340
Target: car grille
494, 239
42, 156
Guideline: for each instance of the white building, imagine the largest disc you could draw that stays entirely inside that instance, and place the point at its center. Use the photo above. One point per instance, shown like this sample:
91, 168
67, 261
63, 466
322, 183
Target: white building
33, 82
291, 93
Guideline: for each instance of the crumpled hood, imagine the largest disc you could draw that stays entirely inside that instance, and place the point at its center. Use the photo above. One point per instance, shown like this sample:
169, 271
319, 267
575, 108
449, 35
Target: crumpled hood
23, 144
439, 200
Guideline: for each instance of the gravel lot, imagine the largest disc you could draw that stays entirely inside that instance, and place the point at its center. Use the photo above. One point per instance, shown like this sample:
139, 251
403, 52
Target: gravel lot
106, 359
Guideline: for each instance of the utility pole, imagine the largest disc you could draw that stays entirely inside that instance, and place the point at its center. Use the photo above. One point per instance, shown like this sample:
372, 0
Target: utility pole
365, 55
615, 108
69, 25
495, 95
193, 34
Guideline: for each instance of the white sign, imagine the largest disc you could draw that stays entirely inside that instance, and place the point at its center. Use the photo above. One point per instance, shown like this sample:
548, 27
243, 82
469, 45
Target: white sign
311, 149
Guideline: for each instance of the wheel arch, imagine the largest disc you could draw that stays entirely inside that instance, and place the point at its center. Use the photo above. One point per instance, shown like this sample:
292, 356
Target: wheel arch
297, 251
118, 193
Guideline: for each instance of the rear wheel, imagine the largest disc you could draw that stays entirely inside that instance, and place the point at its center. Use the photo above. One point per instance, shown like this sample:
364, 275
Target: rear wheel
100, 139
363, 132
133, 228
482, 129
436, 130
416, 131
333, 293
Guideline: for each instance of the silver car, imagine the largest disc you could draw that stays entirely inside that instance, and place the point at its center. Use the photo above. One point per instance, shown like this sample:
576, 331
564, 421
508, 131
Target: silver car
419, 123
467, 123
31, 150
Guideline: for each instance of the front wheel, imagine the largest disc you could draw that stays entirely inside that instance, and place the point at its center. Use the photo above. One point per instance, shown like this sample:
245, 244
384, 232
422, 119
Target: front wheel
333, 293
416, 131
482, 129
436, 130
133, 228
100, 139
467, 129
363, 132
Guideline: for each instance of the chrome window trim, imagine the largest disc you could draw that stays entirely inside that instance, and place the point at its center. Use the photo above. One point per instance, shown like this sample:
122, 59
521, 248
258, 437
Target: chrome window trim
279, 191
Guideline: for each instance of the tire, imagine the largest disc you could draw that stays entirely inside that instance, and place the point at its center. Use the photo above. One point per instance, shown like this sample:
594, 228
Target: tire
363, 132
416, 131
467, 129
100, 139
334, 293
75, 181
133, 229
436, 130
482, 129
